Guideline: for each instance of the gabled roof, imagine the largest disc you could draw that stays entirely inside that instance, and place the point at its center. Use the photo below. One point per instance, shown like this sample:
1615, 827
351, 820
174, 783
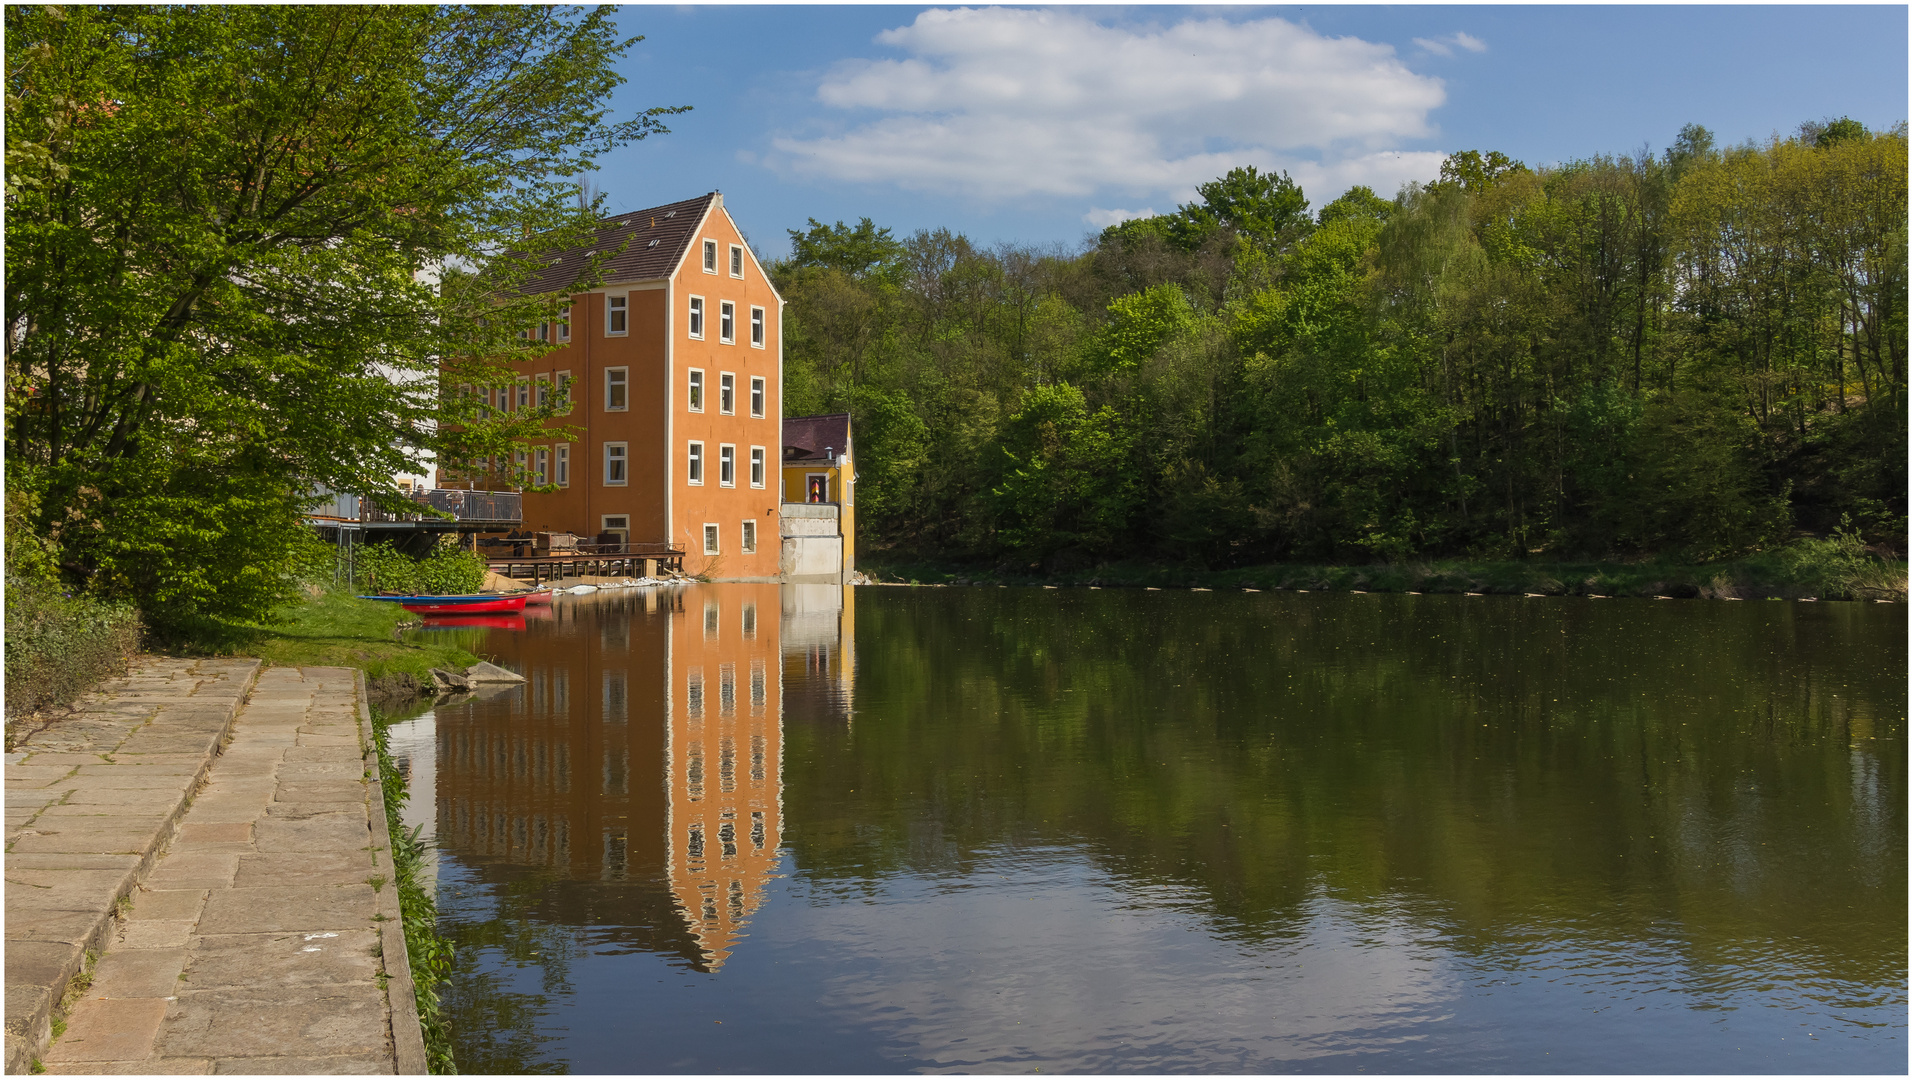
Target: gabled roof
659, 237
805, 437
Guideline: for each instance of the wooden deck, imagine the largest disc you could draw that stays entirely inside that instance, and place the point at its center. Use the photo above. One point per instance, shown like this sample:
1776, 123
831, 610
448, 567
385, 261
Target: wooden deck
636, 560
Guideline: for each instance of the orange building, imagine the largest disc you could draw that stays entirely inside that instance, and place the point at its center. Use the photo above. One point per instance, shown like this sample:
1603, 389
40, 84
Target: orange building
675, 369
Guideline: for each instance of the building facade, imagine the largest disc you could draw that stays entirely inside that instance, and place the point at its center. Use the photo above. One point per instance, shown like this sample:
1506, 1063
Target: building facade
674, 368
817, 518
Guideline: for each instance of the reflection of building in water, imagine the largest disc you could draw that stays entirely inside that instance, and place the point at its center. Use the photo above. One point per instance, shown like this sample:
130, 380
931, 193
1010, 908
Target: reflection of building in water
636, 773
723, 758
819, 651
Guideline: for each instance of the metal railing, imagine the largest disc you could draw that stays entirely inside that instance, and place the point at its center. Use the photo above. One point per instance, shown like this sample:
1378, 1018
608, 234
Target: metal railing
502, 508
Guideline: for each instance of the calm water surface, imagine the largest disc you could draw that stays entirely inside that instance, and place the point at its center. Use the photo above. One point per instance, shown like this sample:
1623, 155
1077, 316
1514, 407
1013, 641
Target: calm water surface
745, 828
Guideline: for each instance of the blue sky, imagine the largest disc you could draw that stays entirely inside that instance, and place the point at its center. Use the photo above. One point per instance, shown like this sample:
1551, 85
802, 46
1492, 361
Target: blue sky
1039, 125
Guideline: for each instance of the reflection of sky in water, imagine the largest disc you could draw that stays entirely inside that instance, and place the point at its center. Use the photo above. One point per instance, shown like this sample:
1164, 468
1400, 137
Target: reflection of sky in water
945, 955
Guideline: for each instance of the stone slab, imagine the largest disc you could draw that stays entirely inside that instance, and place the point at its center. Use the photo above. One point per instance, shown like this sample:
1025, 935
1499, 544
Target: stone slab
224, 1024
265, 961
302, 908
168, 904
109, 1029
190, 870
144, 1067
324, 868
138, 973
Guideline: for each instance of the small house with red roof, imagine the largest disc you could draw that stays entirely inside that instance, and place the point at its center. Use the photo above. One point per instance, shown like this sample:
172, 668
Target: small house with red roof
817, 516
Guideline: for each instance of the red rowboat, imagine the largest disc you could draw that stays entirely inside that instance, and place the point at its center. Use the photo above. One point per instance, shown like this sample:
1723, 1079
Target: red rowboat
479, 604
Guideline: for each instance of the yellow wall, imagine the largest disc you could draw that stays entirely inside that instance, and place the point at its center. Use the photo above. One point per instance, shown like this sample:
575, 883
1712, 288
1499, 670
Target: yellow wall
796, 489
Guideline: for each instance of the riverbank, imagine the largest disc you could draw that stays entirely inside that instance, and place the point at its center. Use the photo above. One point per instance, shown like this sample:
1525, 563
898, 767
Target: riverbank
335, 628
1786, 575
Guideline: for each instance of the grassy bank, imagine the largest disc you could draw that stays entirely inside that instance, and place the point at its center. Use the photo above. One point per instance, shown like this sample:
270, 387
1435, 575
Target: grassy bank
335, 629
429, 953
1787, 575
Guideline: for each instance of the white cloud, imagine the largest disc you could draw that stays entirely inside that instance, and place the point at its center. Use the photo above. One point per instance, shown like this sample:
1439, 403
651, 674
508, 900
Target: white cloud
1103, 219
997, 104
1446, 46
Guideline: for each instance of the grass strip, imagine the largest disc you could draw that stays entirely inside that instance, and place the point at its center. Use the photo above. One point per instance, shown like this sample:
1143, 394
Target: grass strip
429, 952
333, 628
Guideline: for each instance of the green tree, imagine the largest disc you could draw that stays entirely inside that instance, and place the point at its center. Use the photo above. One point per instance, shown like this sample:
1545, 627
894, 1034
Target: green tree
241, 243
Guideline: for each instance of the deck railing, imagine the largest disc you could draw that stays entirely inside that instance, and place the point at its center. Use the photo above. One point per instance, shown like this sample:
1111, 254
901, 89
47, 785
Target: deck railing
502, 507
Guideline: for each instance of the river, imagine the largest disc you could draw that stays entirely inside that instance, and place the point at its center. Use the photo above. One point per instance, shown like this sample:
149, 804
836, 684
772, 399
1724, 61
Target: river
752, 828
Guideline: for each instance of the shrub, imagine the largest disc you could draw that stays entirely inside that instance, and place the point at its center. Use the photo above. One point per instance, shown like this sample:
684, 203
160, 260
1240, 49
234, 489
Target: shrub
447, 570
1842, 569
59, 647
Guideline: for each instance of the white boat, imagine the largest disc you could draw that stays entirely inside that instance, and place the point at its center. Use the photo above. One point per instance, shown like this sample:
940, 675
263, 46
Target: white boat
580, 590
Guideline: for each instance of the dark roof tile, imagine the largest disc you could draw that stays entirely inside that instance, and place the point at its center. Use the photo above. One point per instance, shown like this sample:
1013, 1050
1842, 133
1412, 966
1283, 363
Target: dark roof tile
658, 237
805, 437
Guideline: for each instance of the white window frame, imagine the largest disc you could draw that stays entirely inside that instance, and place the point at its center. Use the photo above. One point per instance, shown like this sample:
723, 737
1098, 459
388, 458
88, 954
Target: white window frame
541, 465
561, 464
737, 261
694, 463
758, 396
727, 465
747, 537
757, 327
727, 393
518, 459
710, 256
562, 381
622, 526
521, 392
622, 383
694, 389
541, 384
711, 538
617, 314
564, 323
757, 467
727, 322
694, 326
623, 460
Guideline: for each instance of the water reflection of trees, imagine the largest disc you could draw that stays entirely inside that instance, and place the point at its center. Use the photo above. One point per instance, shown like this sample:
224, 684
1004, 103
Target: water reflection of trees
1732, 776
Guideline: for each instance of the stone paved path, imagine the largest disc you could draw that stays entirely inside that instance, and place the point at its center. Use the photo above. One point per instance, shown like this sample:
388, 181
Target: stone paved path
267, 937
90, 800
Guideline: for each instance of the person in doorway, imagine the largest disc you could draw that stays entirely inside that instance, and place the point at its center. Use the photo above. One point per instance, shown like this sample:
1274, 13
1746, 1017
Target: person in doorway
817, 489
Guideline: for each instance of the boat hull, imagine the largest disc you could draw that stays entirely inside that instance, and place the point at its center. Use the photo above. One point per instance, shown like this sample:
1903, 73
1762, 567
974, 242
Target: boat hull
481, 604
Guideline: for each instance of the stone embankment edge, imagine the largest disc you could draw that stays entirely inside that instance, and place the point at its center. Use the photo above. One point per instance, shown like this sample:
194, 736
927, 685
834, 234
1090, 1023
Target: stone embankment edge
25, 1048
408, 1036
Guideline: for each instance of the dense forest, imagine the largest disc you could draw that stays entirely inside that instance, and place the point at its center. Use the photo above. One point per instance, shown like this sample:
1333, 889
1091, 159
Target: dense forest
1699, 355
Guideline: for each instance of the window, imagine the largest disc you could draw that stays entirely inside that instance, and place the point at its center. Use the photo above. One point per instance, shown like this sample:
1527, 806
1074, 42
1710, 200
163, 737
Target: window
726, 465
614, 389
562, 458
518, 467
615, 312
618, 525
544, 331
697, 317
757, 328
757, 395
727, 393
727, 322
543, 396
710, 539
562, 381
757, 466
614, 463
694, 397
524, 393
694, 461
737, 261
710, 256
564, 323
504, 398
542, 470
747, 541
